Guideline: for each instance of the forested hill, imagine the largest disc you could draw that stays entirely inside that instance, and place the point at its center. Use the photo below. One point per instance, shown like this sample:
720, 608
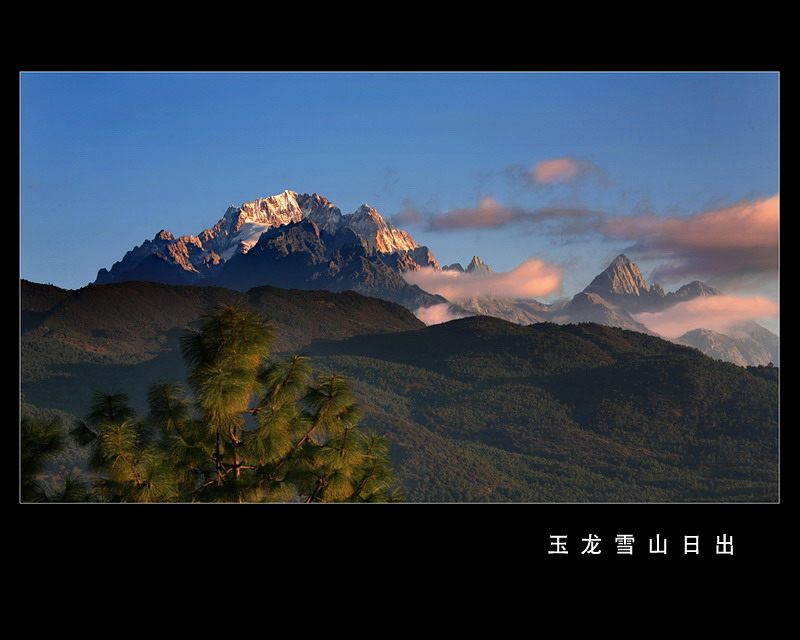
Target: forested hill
477, 409
490, 347
565, 413
135, 318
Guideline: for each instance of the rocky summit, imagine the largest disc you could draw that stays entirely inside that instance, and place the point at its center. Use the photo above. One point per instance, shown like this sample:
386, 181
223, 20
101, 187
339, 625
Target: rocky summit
622, 282
619, 277
237, 232
303, 241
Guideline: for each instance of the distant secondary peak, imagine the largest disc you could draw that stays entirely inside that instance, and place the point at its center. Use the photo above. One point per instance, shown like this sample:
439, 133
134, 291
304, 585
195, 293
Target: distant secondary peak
620, 277
695, 289
657, 289
477, 265
456, 266
164, 236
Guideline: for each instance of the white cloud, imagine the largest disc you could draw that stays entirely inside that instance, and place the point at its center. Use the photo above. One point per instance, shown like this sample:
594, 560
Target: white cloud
533, 278
436, 314
715, 313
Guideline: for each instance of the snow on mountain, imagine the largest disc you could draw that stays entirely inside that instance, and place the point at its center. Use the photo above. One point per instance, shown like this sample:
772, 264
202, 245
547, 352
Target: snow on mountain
307, 241
240, 228
321, 211
379, 234
248, 222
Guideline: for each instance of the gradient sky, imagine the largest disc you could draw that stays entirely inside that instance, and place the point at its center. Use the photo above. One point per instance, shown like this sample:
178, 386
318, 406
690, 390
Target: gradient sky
109, 159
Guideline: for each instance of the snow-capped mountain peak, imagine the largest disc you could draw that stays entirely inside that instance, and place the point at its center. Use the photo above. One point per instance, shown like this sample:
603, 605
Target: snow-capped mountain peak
274, 210
379, 235
240, 228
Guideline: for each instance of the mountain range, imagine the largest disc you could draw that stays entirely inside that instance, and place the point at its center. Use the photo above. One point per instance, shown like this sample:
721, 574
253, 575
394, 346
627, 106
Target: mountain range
515, 400
289, 240
620, 292
303, 241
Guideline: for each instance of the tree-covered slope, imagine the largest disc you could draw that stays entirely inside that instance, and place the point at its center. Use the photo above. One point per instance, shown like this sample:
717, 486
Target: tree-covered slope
478, 409
600, 413
131, 322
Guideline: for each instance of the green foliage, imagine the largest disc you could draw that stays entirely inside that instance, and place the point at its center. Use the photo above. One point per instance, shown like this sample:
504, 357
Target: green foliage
477, 410
301, 442
668, 426
41, 440
131, 322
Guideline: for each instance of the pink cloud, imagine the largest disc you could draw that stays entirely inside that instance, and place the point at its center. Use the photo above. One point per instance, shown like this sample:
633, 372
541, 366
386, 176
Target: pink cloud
743, 225
715, 313
557, 170
533, 278
436, 314
491, 214
733, 241
408, 218
488, 213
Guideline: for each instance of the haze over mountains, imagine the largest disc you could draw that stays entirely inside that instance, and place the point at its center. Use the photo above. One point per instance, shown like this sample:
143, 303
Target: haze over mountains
303, 241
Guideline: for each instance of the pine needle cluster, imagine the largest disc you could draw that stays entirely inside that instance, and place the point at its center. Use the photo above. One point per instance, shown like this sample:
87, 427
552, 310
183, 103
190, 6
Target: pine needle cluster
42, 440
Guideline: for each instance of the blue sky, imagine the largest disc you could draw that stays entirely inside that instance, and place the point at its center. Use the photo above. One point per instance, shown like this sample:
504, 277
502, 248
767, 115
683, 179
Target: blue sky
109, 159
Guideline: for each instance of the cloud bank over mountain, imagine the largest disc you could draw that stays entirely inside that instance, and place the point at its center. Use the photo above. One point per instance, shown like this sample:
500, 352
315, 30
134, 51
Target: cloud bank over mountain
734, 246
533, 278
715, 313
437, 313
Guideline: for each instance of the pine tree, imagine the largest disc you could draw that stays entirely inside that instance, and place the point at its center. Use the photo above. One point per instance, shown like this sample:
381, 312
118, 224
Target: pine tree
41, 441
255, 430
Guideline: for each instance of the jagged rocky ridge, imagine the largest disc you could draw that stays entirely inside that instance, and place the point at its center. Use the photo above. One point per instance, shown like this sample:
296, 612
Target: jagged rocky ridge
304, 256
303, 241
288, 240
615, 296
622, 283
620, 292
240, 228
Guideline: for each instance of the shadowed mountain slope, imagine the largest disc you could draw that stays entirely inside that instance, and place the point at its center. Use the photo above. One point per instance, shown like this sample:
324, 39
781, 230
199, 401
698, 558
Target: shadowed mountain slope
134, 318
477, 409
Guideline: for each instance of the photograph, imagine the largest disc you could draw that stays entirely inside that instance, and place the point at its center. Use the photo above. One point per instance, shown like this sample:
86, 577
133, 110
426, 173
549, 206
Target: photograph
406, 287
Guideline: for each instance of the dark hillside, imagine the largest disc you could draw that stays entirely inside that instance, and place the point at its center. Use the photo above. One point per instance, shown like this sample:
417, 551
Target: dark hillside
40, 297
602, 413
478, 409
134, 319
486, 347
